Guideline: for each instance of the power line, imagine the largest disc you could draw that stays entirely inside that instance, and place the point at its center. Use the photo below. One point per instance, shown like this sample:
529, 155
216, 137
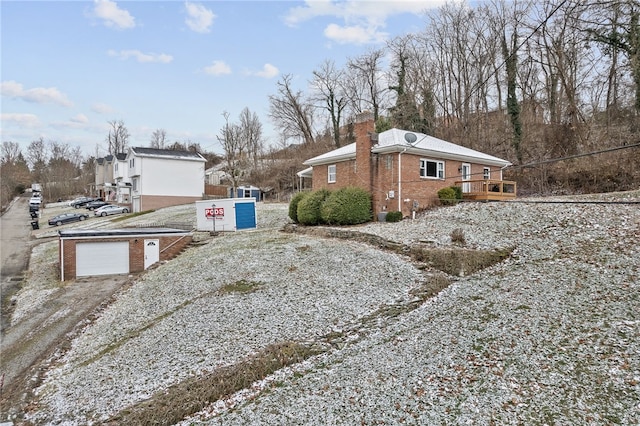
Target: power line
571, 157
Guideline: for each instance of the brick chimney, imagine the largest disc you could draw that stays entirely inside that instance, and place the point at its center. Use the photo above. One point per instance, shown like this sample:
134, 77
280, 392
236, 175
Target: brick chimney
364, 127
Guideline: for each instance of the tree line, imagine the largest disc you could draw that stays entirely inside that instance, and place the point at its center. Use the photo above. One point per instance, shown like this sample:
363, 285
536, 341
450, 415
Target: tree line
522, 80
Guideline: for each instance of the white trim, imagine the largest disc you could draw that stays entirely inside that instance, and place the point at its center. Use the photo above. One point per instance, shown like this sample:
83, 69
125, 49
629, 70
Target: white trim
438, 170
335, 173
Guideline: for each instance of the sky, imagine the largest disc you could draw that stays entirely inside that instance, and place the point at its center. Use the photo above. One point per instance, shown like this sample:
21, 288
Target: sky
68, 68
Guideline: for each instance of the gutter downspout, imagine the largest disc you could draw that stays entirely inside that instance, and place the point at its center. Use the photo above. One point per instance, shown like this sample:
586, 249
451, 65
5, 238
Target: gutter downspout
61, 243
400, 179
502, 168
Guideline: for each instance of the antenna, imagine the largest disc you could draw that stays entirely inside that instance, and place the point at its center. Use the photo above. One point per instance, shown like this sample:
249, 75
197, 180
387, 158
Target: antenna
411, 138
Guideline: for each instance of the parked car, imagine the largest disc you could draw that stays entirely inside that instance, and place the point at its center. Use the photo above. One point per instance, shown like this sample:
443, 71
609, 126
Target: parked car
81, 201
35, 203
110, 209
67, 218
91, 205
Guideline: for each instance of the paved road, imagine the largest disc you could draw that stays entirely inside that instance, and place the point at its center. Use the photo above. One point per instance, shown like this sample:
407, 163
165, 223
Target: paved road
15, 248
28, 344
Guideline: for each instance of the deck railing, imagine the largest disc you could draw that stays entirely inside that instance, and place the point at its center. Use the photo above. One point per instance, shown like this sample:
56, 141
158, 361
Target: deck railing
487, 189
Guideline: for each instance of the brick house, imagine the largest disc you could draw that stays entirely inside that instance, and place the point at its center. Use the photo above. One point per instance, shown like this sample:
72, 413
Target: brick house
404, 170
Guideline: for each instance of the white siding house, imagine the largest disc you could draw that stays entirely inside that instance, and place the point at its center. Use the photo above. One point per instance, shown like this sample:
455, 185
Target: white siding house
121, 179
161, 177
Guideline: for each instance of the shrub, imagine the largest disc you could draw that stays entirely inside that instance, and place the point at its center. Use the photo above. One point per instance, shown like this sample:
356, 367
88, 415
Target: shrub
309, 207
347, 206
447, 196
394, 216
293, 205
458, 191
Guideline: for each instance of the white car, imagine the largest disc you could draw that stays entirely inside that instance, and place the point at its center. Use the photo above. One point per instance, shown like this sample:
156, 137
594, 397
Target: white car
110, 209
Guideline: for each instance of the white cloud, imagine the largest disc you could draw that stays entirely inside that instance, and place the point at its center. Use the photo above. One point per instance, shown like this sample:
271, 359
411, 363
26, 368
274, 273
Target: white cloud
80, 119
267, 71
141, 57
101, 108
112, 15
24, 120
353, 34
218, 68
361, 20
38, 95
200, 18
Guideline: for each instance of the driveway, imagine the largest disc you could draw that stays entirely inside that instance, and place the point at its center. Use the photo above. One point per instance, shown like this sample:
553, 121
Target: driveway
28, 344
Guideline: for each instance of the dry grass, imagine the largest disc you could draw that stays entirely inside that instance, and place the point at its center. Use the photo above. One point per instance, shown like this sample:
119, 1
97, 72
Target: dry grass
190, 396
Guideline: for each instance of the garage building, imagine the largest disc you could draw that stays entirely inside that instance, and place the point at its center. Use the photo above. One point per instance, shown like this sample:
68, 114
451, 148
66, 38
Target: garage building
90, 252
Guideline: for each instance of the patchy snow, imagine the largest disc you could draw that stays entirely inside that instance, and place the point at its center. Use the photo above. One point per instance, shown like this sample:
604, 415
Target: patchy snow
551, 335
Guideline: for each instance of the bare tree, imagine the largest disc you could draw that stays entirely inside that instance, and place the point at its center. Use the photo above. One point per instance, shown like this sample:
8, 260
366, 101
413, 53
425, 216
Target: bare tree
405, 113
10, 152
118, 137
365, 83
158, 138
63, 167
291, 112
251, 129
14, 172
619, 32
330, 95
37, 158
235, 150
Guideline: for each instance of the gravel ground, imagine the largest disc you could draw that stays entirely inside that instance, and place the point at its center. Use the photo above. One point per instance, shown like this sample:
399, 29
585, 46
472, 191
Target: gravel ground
549, 336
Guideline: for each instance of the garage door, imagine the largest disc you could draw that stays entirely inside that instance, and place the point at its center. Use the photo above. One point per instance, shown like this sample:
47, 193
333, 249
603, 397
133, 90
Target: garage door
102, 258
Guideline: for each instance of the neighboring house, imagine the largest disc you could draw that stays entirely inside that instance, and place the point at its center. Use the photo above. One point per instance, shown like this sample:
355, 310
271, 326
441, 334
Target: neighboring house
213, 182
163, 177
216, 174
121, 179
112, 183
404, 170
104, 186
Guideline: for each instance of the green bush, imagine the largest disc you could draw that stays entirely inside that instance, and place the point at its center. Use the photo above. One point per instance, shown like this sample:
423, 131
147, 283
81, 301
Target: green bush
309, 207
293, 205
458, 191
394, 216
447, 196
347, 206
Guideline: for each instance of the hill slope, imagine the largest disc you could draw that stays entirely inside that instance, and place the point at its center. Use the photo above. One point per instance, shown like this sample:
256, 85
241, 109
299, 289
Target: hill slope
550, 335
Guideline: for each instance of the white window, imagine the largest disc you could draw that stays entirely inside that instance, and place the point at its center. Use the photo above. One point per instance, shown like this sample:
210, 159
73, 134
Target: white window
431, 169
134, 184
486, 173
132, 163
331, 173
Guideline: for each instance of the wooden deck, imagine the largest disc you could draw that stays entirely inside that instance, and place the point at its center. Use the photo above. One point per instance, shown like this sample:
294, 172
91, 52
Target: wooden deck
487, 189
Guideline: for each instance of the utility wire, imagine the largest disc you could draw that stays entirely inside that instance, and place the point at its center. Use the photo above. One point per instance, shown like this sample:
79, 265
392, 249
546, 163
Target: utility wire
571, 157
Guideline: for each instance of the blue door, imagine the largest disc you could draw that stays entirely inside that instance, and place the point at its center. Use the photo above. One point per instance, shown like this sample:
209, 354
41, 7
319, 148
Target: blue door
245, 215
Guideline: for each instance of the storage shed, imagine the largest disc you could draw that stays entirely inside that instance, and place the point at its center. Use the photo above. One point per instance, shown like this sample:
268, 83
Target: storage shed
227, 214
92, 252
247, 192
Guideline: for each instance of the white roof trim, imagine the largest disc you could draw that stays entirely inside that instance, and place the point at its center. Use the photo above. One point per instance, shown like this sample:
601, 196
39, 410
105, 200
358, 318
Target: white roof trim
393, 140
306, 173
347, 152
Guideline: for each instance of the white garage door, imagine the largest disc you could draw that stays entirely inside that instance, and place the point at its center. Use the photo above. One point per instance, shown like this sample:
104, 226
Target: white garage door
102, 258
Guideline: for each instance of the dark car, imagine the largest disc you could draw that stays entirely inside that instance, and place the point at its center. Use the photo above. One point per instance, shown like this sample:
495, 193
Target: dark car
67, 218
95, 204
81, 201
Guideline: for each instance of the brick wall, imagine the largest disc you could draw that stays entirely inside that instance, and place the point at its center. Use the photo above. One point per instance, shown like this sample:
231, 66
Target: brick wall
154, 202
170, 247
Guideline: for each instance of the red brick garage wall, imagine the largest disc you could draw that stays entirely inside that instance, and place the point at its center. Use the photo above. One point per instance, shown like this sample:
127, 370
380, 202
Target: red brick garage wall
170, 247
